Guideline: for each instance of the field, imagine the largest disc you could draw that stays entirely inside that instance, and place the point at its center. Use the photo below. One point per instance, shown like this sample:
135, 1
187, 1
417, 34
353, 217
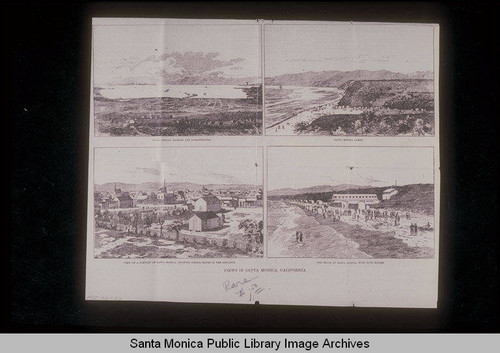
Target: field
118, 238
114, 244
395, 94
344, 239
386, 122
173, 116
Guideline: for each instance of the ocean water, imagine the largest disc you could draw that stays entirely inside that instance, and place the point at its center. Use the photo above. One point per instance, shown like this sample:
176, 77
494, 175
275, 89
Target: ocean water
173, 91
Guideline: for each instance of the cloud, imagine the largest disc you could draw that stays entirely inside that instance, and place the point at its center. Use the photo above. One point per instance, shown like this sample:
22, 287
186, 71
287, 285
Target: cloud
224, 178
150, 171
360, 59
172, 66
370, 180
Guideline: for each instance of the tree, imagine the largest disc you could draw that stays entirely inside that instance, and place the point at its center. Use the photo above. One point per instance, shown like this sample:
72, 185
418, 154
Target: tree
176, 226
161, 220
98, 218
301, 126
148, 220
252, 233
135, 220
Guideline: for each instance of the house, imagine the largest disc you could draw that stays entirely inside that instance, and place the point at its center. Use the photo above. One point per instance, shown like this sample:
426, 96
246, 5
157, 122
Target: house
207, 203
354, 201
166, 198
227, 201
123, 200
204, 221
152, 197
248, 202
351, 198
107, 202
388, 193
180, 196
141, 197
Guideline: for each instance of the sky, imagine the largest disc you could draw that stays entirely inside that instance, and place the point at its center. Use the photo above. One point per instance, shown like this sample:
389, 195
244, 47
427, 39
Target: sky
143, 51
347, 47
199, 165
300, 167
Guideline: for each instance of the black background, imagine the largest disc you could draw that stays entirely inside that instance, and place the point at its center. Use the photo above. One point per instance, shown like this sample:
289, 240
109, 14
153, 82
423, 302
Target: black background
45, 79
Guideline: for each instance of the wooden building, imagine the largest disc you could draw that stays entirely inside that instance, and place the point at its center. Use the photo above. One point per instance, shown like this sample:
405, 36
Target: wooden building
204, 221
208, 203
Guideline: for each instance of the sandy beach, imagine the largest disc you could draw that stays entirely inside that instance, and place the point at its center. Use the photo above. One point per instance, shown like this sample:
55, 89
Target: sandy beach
318, 241
324, 238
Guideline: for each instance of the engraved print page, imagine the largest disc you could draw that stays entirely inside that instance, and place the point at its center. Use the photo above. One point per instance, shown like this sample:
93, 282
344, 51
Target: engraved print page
279, 162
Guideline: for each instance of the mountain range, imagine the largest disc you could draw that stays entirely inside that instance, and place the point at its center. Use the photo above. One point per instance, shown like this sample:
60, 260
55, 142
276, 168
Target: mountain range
332, 78
338, 78
312, 189
154, 186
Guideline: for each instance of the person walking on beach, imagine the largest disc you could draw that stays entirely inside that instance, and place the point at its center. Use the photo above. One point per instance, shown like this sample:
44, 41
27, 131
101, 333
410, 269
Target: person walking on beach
300, 237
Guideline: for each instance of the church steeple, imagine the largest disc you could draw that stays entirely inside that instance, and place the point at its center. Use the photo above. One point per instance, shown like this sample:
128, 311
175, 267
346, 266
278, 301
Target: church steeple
164, 187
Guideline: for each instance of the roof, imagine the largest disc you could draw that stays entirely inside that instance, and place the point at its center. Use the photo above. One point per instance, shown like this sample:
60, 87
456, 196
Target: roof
205, 215
124, 197
341, 194
210, 198
386, 191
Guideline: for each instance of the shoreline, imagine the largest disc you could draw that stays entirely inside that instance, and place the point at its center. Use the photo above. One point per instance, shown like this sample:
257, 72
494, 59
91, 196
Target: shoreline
324, 238
320, 241
378, 244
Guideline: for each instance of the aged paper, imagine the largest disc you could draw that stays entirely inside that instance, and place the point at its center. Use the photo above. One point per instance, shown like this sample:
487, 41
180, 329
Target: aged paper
279, 162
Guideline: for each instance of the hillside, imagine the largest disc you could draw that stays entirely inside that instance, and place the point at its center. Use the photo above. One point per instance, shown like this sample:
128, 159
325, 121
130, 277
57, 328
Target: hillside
393, 94
413, 197
311, 190
338, 78
182, 79
152, 186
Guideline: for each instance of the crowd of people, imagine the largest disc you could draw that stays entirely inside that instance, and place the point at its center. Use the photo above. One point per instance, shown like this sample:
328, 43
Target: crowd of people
336, 214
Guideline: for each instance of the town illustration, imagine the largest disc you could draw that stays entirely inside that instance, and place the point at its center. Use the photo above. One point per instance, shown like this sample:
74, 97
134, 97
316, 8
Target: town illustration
180, 219
376, 204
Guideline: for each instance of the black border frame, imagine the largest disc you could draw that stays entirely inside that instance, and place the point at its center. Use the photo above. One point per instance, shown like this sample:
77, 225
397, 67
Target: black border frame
46, 73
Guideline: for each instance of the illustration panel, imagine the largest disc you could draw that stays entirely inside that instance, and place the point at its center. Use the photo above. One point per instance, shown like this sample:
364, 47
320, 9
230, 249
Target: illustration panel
178, 202
351, 202
349, 79
177, 79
